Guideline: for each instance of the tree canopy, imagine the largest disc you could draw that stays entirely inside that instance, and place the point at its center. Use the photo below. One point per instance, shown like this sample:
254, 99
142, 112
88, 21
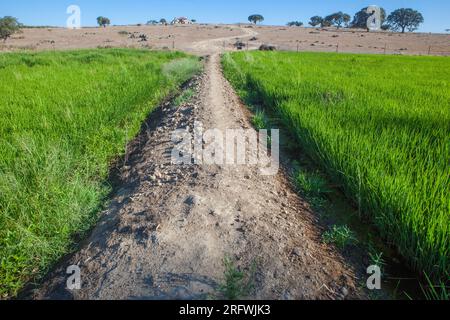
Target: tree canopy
405, 18
338, 19
103, 21
315, 21
295, 24
255, 18
361, 17
8, 26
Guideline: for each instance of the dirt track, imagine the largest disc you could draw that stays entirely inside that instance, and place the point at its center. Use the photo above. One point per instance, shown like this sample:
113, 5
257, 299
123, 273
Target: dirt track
168, 228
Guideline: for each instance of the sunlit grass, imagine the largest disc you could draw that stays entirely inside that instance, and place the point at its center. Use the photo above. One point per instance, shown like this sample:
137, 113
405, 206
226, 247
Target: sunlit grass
378, 125
64, 117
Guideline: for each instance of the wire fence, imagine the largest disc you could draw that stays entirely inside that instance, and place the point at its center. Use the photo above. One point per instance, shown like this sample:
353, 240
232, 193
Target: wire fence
317, 46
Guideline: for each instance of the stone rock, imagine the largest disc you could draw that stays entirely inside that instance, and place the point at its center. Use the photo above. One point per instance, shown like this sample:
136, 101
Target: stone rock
296, 252
193, 200
344, 291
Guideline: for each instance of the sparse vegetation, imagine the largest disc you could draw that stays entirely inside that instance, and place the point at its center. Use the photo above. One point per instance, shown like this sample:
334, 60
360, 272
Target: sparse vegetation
259, 120
312, 185
439, 292
340, 236
237, 284
185, 97
376, 258
65, 117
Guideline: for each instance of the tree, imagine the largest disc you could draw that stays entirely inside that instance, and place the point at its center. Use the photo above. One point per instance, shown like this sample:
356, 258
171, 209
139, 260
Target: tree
295, 24
361, 17
346, 18
338, 19
405, 18
255, 18
8, 26
103, 21
152, 22
315, 21
326, 23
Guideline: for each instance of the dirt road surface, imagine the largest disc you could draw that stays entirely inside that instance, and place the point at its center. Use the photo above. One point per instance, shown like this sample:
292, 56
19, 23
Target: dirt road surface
168, 227
185, 37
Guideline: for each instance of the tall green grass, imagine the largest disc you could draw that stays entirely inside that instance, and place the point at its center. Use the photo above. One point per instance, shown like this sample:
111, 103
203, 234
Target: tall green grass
64, 117
379, 125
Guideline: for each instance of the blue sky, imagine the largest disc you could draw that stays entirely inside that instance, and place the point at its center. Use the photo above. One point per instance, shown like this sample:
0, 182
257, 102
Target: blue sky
276, 12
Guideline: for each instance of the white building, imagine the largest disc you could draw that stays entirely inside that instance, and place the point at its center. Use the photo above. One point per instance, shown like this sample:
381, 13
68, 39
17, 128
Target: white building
181, 20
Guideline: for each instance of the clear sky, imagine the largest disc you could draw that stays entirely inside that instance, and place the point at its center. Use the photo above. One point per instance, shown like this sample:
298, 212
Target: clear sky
276, 12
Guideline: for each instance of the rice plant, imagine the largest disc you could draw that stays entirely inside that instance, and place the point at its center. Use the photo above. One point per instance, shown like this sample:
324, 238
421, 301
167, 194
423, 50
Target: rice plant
378, 125
64, 117
185, 97
312, 185
259, 120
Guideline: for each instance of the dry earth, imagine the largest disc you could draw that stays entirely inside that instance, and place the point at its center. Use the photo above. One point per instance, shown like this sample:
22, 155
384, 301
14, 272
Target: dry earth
185, 37
353, 41
168, 227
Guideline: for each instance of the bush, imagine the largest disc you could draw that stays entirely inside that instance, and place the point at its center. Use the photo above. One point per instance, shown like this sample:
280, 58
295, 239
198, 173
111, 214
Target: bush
341, 236
8, 26
266, 47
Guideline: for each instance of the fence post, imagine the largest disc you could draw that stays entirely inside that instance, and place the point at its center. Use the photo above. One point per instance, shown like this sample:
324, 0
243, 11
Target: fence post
429, 50
298, 47
173, 45
385, 47
337, 48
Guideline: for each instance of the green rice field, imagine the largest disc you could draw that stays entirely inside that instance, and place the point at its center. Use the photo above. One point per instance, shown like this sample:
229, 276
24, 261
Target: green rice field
378, 125
65, 116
